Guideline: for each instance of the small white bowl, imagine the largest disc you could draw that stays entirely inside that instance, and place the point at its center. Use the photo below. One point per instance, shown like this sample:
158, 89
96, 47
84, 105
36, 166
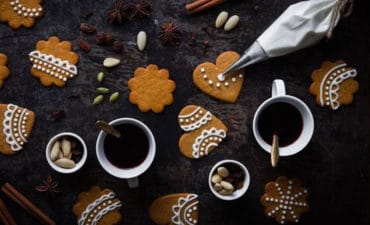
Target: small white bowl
78, 165
237, 193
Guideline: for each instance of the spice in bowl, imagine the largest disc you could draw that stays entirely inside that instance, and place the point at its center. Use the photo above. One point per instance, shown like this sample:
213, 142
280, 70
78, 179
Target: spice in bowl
228, 178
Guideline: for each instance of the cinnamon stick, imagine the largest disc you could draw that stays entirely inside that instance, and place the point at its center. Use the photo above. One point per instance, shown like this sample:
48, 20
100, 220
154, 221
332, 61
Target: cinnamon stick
200, 5
5, 216
26, 204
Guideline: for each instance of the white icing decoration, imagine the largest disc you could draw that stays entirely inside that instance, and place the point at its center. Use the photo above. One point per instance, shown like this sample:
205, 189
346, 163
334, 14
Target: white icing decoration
64, 66
182, 211
205, 118
97, 209
333, 85
15, 135
23, 11
204, 136
285, 207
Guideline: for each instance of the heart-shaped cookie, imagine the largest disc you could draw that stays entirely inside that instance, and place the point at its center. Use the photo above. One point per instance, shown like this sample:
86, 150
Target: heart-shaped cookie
205, 131
4, 71
175, 209
205, 78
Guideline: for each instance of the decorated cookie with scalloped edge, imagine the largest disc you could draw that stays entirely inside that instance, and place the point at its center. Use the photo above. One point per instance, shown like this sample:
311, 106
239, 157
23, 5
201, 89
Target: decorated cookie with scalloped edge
175, 209
19, 13
285, 200
53, 62
4, 71
97, 206
334, 84
16, 124
204, 131
205, 78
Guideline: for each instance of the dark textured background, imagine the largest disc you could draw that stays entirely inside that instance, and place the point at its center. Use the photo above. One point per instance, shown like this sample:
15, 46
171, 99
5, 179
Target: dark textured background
334, 166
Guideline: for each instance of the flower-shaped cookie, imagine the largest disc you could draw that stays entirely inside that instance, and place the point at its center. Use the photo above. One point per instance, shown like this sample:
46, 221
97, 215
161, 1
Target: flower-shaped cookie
334, 84
151, 89
20, 12
97, 207
285, 200
53, 62
4, 71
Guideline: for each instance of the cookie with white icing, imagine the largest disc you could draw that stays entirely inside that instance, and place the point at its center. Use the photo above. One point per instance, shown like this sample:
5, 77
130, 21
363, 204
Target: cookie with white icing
53, 62
16, 125
175, 209
97, 207
285, 200
205, 78
19, 13
204, 131
334, 84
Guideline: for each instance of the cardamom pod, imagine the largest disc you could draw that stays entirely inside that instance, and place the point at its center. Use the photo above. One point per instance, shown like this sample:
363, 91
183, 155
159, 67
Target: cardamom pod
98, 99
102, 90
114, 96
100, 77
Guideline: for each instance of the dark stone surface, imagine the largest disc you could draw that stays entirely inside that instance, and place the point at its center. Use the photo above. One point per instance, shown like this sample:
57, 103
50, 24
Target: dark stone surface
334, 166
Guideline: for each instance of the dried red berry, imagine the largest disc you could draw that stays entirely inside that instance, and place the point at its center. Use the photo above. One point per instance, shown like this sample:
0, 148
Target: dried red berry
84, 46
100, 38
109, 39
87, 28
117, 46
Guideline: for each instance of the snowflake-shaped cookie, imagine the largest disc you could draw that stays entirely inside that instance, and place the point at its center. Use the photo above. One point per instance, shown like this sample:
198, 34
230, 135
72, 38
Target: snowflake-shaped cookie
285, 200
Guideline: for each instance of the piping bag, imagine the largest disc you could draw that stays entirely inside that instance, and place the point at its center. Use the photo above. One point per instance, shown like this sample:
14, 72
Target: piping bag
301, 25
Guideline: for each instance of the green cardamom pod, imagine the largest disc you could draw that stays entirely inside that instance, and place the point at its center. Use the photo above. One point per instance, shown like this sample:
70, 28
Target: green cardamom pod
100, 77
98, 99
102, 90
114, 96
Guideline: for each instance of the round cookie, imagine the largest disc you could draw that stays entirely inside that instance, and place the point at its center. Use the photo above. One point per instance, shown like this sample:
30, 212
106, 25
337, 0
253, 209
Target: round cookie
204, 131
97, 206
151, 89
20, 12
175, 209
285, 200
15, 128
4, 71
334, 84
205, 78
53, 62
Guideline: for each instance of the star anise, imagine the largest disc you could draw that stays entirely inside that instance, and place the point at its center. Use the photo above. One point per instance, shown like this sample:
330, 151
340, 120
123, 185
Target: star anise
140, 9
48, 186
169, 33
119, 12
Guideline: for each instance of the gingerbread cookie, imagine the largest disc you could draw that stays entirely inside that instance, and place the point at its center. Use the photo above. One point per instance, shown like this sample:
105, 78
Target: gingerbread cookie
204, 131
285, 200
20, 12
53, 62
205, 78
334, 84
175, 209
151, 89
16, 125
4, 71
97, 206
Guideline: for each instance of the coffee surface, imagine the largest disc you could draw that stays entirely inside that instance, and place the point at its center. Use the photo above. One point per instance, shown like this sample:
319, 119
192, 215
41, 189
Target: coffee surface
128, 151
282, 119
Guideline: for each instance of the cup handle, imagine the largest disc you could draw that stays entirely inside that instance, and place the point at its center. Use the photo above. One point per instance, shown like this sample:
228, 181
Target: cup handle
278, 88
133, 182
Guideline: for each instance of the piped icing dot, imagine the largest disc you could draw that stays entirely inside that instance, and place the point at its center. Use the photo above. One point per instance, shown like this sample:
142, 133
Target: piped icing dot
202, 70
210, 82
233, 79
205, 76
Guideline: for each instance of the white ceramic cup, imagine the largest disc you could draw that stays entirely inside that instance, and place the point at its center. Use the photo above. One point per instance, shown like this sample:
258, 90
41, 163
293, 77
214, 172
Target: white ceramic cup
279, 95
237, 193
130, 174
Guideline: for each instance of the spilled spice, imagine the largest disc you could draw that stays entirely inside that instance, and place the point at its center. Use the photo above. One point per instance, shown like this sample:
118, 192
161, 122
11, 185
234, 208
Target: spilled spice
140, 9
48, 186
169, 33
119, 12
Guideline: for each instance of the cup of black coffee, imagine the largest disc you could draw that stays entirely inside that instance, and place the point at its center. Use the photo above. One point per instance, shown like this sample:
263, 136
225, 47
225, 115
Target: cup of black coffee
286, 116
131, 154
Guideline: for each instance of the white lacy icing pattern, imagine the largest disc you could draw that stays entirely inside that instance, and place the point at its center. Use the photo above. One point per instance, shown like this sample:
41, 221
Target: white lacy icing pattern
330, 84
208, 138
99, 208
52, 66
220, 83
195, 119
23, 11
182, 212
286, 203
14, 126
